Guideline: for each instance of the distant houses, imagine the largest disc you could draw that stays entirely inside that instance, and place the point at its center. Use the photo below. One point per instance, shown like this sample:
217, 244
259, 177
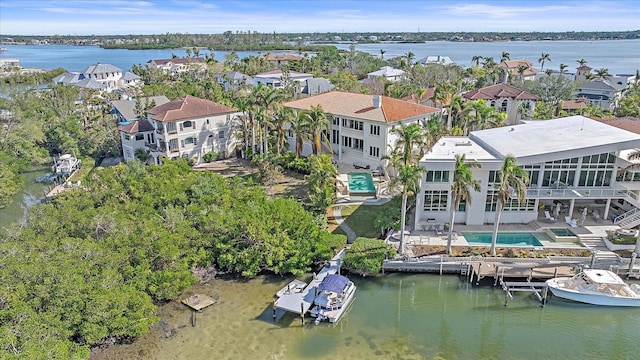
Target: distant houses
505, 98
387, 73
177, 65
518, 69
601, 93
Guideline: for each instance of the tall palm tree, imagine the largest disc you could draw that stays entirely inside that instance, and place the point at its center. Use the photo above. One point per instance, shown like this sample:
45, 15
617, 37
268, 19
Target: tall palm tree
486, 116
463, 182
382, 54
408, 179
521, 69
410, 138
505, 57
300, 128
269, 99
513, 182
316, 121
582, 62
544, 58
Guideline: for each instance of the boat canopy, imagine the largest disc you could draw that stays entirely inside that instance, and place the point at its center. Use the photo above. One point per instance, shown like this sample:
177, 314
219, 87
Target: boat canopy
333, 283
603, 277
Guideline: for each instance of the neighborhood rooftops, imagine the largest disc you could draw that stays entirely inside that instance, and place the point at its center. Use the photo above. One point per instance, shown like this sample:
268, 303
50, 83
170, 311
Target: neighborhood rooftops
187, 108
363, 106
498, 91
100, 68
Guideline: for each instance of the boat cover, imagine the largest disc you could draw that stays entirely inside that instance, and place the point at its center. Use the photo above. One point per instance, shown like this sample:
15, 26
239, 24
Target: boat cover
333, 283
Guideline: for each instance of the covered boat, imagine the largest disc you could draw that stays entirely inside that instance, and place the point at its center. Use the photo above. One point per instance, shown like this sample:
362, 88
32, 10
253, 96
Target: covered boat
336, 292
597, 287
66, 164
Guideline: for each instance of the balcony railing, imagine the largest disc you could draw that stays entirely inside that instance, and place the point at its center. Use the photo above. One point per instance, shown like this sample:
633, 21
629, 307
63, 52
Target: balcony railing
574, 193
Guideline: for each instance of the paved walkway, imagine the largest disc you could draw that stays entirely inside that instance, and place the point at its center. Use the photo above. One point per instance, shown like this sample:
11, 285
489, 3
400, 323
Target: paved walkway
337, 216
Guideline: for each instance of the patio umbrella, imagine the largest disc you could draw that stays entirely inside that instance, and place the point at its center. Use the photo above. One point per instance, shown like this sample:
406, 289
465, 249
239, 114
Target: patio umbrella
557, 211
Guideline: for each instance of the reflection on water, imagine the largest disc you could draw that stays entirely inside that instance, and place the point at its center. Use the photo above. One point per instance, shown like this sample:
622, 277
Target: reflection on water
394, 317
28, 196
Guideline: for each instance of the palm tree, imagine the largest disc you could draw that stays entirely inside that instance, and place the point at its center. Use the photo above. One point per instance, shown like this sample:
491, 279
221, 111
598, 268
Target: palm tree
408, 178
521, 69
543, 58
269, 99
316, 121
300, 128
504, 57
476, 59
382, 54
563, 68
548, 72
603, 74
486, 116
513, 182
582, 62
322, 181
410, 138
463, 181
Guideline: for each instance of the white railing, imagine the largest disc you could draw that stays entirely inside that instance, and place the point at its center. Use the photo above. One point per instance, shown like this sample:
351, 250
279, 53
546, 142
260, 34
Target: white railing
574, 193
628, 219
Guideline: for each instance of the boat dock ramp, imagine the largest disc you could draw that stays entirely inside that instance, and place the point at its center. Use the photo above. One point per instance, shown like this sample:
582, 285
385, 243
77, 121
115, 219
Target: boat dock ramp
292, 298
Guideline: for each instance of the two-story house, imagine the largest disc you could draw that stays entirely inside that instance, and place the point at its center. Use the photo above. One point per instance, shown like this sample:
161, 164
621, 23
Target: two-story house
360, 124
572, 161
99, 76
388, 73
131, 109
511, 69
139, 134
601, 93
505, 98
191, 127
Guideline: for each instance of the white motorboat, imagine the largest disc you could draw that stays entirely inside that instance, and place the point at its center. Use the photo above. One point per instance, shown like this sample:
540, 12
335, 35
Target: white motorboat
597, 287
336, 294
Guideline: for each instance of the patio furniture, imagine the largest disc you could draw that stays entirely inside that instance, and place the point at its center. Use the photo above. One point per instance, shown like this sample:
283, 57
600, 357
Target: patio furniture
548, 217
571, 222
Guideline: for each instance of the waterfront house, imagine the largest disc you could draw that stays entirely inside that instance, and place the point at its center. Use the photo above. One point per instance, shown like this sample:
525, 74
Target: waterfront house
511, 69
125, 110
191, 127
360, 124
505, 98
571, 161
601, 93
388, 73
100, 77
435, 59
139, 134
177, 65
283, 79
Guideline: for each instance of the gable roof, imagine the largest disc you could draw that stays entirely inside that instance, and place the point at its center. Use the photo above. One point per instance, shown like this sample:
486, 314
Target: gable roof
600, 85
187, 108
387, 71
362, 106
497, 91
136, 127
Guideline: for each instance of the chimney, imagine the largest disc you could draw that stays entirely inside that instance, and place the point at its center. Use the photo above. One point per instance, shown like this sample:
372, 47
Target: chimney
377, 101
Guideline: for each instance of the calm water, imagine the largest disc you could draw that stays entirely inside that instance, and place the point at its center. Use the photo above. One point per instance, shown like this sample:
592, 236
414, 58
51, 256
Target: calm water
619, 56
29, 195
393, 317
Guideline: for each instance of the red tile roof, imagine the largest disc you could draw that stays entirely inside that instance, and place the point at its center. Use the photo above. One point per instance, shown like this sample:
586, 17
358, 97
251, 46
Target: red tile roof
497, 91
283, 58
512, 66
136, 127
628, 123
574, 104
187, 108
362, 106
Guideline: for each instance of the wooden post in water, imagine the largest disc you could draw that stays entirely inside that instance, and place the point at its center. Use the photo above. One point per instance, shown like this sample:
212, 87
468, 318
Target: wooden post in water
441, 260
545, 293
302, 312
193, 318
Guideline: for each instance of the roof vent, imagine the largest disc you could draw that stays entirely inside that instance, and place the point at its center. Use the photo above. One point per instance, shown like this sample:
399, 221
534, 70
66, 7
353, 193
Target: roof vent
464, 143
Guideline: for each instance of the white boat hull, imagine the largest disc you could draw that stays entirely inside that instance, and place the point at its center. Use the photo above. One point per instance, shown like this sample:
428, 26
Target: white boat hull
334, 315
555, 285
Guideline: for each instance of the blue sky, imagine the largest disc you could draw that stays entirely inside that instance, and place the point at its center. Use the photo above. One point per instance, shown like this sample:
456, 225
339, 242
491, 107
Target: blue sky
100, 17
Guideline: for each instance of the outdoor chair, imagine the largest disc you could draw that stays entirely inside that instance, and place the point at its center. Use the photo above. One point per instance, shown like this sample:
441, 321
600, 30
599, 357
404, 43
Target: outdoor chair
548, 217
571, 222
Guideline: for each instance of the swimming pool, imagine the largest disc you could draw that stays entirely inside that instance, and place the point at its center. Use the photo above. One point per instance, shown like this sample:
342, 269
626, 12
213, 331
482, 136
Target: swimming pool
562, 232
360, 183
504, 239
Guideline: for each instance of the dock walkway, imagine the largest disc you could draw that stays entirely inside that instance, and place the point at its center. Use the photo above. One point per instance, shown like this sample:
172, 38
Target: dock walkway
300, 303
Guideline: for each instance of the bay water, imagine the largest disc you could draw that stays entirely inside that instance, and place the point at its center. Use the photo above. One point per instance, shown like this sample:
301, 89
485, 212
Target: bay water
619, 56
394, 316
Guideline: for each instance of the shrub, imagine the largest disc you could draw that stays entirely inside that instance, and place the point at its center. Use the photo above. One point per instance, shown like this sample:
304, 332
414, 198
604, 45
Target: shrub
211, 156
365, 256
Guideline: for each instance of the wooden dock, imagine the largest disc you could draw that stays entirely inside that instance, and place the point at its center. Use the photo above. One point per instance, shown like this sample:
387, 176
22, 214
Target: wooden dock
499, 271
198, 302
540, 289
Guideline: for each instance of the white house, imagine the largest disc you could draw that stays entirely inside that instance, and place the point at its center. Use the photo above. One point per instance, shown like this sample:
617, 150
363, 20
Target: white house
436, 59
125, 110
388, 73
177, 65
190, 128
505, 98
136, 135
360, 129
573, 161
99, 76
233, 80
280, 79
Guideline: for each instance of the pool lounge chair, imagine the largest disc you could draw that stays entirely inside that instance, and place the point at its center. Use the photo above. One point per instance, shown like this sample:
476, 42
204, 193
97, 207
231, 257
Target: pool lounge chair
548, 217
571, 222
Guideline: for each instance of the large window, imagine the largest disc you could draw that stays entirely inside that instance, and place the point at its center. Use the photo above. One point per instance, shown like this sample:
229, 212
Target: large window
512, 204
438, 176
435, 200
374, 151
375, 129
352, 124
335, 136
597, 170
358, 144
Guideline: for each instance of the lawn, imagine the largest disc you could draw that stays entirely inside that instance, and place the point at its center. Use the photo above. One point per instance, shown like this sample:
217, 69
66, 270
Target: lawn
360, 218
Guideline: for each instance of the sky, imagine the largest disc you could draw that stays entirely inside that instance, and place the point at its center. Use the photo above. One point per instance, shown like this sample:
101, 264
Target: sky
116, 17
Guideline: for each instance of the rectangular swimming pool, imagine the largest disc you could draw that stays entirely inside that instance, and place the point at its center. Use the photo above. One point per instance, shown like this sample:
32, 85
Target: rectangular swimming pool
504, 239
361, 183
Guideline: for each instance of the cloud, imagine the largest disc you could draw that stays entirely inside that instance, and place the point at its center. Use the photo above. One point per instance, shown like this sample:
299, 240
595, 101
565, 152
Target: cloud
503, 11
